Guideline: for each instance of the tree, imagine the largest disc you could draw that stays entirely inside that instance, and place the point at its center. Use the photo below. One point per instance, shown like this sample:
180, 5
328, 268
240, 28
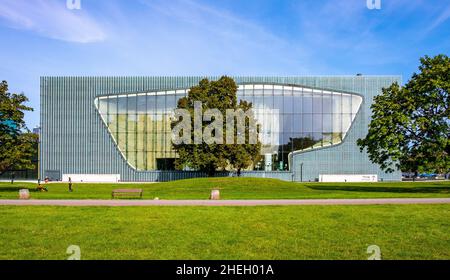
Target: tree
17, 144
410, 126
206, 156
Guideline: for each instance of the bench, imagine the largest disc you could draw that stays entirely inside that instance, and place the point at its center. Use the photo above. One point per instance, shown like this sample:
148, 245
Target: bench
127, 193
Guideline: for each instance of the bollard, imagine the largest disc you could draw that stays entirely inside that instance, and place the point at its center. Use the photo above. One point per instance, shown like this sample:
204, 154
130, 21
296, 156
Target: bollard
215, 194
24, 194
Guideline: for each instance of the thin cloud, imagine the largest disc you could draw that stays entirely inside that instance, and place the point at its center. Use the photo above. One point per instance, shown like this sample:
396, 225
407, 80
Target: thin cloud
51, 19
195, 34
219, 22
443, 17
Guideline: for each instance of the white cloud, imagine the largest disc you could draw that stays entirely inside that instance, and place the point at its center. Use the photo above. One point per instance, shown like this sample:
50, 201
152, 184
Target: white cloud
52, 19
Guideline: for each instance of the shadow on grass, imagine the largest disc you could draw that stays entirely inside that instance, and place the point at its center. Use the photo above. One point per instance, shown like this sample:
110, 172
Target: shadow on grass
16, 189
443, 190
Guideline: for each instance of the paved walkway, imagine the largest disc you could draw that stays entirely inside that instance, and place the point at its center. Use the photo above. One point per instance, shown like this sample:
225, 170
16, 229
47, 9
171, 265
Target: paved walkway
374, 201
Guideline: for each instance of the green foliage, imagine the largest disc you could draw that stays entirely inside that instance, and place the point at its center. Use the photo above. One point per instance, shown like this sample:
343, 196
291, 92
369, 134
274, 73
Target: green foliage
221, 95
16, 146
410, 127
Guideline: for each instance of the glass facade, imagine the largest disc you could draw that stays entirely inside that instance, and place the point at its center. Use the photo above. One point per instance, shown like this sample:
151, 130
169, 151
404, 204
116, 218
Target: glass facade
292, 118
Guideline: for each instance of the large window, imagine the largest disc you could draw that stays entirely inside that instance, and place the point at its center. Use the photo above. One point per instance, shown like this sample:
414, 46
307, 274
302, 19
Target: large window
292, 118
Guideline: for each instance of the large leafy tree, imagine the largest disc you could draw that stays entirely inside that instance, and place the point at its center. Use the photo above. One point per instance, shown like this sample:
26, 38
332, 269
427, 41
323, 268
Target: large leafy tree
17, 144
410, 127
209, 157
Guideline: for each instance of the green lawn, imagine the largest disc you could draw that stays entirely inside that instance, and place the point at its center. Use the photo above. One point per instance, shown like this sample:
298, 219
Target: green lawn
238, 188
284, 232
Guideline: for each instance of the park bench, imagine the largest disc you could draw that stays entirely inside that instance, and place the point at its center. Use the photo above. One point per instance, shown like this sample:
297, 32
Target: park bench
127, 193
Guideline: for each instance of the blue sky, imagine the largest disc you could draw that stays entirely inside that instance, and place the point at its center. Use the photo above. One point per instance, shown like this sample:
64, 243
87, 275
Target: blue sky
199, 37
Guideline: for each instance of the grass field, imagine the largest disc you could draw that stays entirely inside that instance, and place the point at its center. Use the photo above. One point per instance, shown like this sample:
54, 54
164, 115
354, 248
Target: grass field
284, 232
238, 188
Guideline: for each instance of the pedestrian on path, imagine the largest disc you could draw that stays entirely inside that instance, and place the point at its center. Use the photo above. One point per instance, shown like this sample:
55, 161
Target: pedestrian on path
70, 184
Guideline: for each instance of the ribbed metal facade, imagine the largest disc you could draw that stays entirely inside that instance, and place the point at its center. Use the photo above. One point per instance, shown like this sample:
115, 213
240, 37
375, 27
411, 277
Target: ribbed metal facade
75, 140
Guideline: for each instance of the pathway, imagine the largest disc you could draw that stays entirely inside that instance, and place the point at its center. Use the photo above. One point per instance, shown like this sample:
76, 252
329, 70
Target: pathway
281, 202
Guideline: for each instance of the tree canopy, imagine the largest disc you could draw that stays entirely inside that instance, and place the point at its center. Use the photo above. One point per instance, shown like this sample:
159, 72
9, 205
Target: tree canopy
17, 144
220, 95
410, 126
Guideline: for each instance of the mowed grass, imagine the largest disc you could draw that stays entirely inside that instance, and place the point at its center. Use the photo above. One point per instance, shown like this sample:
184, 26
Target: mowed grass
237, 188
278, 232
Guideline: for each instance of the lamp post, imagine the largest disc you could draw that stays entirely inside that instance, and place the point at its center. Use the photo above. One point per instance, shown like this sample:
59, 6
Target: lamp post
301, 172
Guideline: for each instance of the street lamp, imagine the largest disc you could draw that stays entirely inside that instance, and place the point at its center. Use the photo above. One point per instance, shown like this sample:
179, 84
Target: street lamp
301, 172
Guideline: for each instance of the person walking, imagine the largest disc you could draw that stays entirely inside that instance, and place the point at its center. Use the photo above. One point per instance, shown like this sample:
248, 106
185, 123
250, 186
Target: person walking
70, 184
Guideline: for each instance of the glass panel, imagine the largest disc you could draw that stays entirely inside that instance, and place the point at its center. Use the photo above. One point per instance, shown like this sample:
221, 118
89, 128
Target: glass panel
336, 137
112, 122
337, 122
327, 123
303, 141
337, 103
288, 104
121, 141
112, 105
140, 133
103, 107
327, 104
356, 104
287, 123
132, 104
259, 101
122, 105
268, 89
258, 90
298, 128
171, 102
277, 122
278, 103
307, 122
307, 103
142, 104
317, 140
140, 163
327, 139
122, 123
131, 144
278, 90
268, 99
151, 104
161, 103
298, 101
317, 123
346, 103
295, 142
346, 122
317, 103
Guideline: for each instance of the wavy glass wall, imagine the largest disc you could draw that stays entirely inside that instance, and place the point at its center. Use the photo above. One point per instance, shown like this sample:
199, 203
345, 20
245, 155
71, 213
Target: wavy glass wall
292, 118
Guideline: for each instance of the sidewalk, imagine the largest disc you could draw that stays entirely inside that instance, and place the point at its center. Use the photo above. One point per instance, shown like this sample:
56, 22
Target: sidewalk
378, 201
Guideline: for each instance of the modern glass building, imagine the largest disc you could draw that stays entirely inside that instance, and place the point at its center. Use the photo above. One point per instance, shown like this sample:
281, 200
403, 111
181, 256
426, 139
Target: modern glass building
121, 125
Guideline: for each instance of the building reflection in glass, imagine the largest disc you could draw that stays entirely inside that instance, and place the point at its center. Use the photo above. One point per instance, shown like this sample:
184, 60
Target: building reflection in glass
292, 118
